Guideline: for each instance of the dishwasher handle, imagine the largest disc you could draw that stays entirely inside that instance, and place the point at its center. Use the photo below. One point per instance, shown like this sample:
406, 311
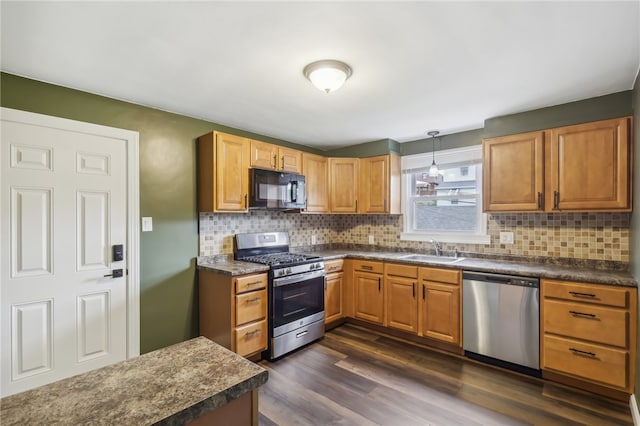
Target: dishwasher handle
501, 279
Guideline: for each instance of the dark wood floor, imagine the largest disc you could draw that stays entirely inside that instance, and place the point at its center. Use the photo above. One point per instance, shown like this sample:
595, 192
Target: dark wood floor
358, 377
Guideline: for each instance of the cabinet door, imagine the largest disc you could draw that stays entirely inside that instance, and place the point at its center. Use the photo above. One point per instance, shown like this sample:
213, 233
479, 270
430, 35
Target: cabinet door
231, 172
441, 311
368, 293
264, 155
333, 297
343, 185
316, 171
513, 173
374, 185
289, 160
590, 166
402, 303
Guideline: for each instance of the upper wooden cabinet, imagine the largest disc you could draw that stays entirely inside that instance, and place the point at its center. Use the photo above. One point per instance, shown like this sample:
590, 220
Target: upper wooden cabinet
590, 166
223, 164
379, 188
586, 167
513, 169
315, 168
268, 156
343, 185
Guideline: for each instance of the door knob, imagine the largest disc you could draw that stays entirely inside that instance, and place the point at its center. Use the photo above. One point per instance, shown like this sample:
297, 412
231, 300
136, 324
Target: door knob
116, 273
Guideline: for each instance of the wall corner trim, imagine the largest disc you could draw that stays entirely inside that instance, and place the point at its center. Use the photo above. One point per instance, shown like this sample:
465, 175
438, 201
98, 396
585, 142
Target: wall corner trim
633, 405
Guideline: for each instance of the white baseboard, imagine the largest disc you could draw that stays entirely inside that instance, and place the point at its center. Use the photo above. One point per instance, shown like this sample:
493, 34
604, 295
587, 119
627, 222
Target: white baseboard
635, 414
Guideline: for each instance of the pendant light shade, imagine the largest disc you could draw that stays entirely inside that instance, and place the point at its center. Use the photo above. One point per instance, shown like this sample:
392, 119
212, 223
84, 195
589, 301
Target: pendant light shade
433, 170
327, 75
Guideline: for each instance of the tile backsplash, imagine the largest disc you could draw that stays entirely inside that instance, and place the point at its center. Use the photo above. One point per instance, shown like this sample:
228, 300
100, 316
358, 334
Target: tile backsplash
593, 236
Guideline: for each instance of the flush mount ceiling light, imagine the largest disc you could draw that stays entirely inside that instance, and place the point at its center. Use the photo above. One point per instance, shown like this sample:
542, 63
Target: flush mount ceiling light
327, 75
433, 170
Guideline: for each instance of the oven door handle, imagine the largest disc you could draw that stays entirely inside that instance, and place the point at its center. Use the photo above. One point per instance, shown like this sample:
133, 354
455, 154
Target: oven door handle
297, 278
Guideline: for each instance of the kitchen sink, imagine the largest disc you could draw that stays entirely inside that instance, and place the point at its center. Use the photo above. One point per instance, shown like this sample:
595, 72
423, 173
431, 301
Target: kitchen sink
430, 258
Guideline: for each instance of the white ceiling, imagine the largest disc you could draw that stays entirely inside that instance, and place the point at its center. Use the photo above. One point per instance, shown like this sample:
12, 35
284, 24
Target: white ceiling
417, 66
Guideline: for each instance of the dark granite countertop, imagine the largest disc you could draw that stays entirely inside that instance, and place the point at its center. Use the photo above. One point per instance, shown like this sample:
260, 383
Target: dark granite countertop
170, 386
224, 264
534, 268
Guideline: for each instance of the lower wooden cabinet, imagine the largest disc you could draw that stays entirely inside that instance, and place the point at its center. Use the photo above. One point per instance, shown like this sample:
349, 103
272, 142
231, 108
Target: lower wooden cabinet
333, 291
401, 301
368, 291
588, 333
233, 311
440, 314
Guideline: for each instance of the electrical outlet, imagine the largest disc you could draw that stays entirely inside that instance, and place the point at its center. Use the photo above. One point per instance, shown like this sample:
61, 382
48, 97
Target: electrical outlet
314, 240
372, 240
506, 237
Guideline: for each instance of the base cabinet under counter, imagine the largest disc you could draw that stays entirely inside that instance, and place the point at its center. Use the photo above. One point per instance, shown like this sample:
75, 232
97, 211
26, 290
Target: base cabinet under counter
588, 334
233, 311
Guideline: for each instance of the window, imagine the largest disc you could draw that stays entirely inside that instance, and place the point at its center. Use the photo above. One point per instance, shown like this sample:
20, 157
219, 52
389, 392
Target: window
447, 207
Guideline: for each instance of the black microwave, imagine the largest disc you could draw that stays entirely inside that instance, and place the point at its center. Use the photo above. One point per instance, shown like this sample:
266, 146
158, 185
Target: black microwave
269, 189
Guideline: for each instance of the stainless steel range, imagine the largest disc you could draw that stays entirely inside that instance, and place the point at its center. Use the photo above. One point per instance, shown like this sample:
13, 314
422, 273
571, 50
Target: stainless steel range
295, 292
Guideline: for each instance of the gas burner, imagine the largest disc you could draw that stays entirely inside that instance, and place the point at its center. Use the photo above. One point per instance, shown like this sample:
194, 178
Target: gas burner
279, 259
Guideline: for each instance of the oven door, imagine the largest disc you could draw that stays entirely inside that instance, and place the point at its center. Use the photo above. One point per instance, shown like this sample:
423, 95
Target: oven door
297, 300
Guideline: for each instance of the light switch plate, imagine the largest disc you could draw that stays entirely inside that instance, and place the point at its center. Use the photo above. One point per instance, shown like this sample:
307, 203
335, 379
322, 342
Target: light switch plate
372, 240
147, 224
506, 237
314, 240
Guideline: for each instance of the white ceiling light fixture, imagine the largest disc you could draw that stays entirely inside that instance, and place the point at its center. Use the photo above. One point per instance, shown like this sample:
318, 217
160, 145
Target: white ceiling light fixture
327, 75
433, 170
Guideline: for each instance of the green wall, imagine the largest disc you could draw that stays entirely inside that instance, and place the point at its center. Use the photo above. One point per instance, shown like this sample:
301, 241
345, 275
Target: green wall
634, 232
600, 108
168, 304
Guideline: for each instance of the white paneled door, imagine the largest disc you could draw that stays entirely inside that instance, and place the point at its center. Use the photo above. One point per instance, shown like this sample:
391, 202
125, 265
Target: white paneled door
64, 287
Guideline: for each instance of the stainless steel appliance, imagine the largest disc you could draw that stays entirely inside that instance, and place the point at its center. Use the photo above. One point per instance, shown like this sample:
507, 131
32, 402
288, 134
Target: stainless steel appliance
269, 189
295, 290
501, 320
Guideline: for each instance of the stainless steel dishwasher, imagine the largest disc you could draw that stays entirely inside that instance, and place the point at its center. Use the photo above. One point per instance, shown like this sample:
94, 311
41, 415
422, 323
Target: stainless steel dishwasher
501, 320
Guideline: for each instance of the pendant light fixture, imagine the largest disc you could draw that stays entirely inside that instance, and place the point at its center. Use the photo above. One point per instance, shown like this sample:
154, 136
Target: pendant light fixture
327, 75
433, 170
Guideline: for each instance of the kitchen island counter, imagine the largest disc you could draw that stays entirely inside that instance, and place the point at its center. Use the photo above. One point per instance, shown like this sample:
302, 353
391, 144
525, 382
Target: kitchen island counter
170, 386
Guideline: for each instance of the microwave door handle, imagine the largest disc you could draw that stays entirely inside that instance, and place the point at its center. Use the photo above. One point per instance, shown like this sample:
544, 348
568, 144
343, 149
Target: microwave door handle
294, 191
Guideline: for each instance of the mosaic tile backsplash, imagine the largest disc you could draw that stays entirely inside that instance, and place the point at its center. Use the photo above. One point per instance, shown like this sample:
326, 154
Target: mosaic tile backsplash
593, 236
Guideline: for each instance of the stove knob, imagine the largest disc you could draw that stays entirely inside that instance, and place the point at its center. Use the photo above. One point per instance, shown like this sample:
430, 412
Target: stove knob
288, 270
312, 267
318, 266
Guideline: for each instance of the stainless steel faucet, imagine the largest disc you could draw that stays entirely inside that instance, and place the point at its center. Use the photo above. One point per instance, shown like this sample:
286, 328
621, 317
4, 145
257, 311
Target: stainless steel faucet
437, 246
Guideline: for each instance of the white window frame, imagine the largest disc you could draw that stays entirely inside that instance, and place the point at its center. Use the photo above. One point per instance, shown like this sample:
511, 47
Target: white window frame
443, 157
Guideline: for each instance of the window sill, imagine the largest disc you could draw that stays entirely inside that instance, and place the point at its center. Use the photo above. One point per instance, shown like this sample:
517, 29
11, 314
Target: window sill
446, 238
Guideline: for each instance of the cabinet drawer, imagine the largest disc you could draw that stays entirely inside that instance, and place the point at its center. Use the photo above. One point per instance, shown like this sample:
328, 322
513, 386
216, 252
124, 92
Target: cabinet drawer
251, 338
592, 362
251, 282
251, 306
333, 265
401, 270
596, 323
586, 293
450, 276
368, 266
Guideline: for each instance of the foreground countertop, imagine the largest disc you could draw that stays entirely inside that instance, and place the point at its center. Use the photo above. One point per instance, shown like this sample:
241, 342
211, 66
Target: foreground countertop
537, 269
170, 386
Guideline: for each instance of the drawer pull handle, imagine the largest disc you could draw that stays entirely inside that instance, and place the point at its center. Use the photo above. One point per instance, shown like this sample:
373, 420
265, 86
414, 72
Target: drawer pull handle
367, 267
252, 332
577, 294
301, 334
255, 299
582, 314
255, 282
584, 353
